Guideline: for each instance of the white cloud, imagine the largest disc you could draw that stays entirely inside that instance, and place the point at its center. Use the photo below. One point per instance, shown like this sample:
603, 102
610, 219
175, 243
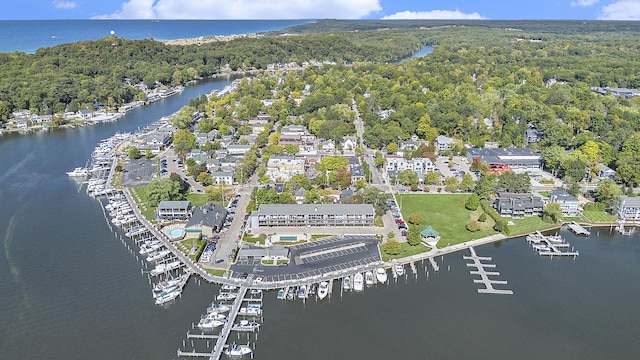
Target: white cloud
67, 5
584, 3
433, 15
245, 9
621, 10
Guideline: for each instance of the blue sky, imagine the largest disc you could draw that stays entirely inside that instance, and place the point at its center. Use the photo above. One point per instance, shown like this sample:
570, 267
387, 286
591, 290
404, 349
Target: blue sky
307, 9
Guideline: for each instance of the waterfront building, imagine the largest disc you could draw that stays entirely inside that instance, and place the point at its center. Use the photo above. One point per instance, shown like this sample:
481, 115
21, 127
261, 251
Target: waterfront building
173, 210
275, 252
207, 219
514, 158
518, 205
312, 215
568, 203
629, 208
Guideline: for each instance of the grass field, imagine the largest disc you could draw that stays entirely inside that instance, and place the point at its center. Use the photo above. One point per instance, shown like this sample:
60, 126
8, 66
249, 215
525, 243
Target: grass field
407, 250
528, 224
198, 199
186, 245
140, 195
446, 213
598, 217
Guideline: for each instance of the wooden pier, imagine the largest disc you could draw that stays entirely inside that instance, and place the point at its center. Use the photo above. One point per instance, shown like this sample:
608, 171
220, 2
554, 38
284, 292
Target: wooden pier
434, 264
484, 275
578, 229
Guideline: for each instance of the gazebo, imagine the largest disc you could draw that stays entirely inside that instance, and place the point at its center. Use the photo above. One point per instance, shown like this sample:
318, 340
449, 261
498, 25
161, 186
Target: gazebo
430, 235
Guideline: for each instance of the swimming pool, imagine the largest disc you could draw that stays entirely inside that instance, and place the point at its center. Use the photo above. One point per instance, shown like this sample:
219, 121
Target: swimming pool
176, 234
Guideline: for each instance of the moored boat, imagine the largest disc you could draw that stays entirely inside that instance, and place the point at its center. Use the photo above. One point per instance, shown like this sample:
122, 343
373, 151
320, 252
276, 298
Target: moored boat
165, 297
358, 282
246, 325
399, 270
368, 278
280, 294
210, 323
302, 292
238, 350
223, 296
381, 275
323, 290
346, 283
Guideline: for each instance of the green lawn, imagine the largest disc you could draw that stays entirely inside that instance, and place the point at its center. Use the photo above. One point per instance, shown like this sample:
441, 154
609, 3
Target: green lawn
446, 213
527, 225
598, 217
198, 199
377, 221
140, 195
407, 250
215, 272
186, 245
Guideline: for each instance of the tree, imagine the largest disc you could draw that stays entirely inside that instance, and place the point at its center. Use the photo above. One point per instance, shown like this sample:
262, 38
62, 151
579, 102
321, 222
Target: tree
376, 197
607, 192
291, 149
552, 213
379, 159
205, 178
482, 217
467, 184
415, 219
451, 184
432, 178
163, 190
392, 247
134, 153
477, 165
413, 236
473, 202
183, 140
408, 177
485, 186
473, 225
392, 148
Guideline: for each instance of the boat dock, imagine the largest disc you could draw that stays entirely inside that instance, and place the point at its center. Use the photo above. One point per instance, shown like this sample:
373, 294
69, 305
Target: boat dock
484, 275
578, 229
551, 245
434, 264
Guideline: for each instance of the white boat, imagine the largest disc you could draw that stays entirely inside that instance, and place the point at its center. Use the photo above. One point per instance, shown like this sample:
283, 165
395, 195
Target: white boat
399, 270
238, 350
346, 283
162, 268
210, 323
251, 310
381, 275
323, 290
78, 172
223, 296
255, 291
291, 293
215, 316
170, 283
302, 292
218, 308
358, 282
368, 278
246, 325
158, 256
165, 297
228, 287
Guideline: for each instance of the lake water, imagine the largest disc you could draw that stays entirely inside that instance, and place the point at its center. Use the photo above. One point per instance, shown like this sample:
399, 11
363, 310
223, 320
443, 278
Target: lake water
29, 35
71, 289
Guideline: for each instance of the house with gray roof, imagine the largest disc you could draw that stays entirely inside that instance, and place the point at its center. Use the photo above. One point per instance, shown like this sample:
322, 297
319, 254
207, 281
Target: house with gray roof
629, 208
568, 203
605, 172
269, 215
443, 143
514, 158
207, 219
517, 205
274, 252
173, 210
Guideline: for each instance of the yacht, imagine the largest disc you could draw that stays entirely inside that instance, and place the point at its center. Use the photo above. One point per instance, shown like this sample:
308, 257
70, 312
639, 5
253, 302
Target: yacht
210, 323
251, 310
170, 283
368, 278
346, 283
313, 289
165, 297
218, 308
323, 290
228, 287
291, 293
238, 350
381, 275
302, 292
358, 282
226, 296
214, 316
399, 270
158, 256
246, 325
78, 172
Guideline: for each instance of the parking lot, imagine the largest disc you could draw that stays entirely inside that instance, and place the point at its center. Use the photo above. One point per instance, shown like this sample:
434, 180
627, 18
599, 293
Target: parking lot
138, 172
317, 258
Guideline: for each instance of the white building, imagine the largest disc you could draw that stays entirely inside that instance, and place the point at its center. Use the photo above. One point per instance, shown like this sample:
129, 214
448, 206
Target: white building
282, 167
629, 208
222, 177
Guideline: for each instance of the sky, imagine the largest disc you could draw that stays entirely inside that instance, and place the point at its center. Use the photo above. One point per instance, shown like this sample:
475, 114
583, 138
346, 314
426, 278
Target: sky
321, 9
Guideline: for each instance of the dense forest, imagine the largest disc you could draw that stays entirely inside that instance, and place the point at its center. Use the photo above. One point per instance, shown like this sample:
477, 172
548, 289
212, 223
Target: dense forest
80, 73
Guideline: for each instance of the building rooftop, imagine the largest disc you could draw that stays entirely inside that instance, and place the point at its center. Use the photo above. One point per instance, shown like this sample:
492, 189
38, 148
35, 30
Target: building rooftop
174, 205
318, 209
211, 215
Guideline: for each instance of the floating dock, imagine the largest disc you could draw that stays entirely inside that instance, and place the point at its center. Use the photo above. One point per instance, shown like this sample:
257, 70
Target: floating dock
484, 275
578, 229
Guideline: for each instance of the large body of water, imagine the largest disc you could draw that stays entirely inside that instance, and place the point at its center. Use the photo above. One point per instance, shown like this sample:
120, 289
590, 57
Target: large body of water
72, 290
29, 35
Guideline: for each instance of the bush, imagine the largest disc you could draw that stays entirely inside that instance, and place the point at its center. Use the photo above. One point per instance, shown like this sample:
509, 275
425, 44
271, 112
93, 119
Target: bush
473, 225
482, 217
472, 202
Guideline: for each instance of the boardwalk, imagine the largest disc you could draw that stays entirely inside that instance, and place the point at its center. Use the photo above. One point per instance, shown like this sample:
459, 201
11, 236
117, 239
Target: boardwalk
484, 275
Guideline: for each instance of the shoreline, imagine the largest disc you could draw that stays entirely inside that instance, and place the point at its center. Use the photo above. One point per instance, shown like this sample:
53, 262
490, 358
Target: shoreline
201, 40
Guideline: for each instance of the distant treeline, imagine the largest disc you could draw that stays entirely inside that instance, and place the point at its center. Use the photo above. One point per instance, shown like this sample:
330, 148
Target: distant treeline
76, 75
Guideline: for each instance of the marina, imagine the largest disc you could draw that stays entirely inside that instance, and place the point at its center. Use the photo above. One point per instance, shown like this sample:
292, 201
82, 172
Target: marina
578, 229
551, 245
